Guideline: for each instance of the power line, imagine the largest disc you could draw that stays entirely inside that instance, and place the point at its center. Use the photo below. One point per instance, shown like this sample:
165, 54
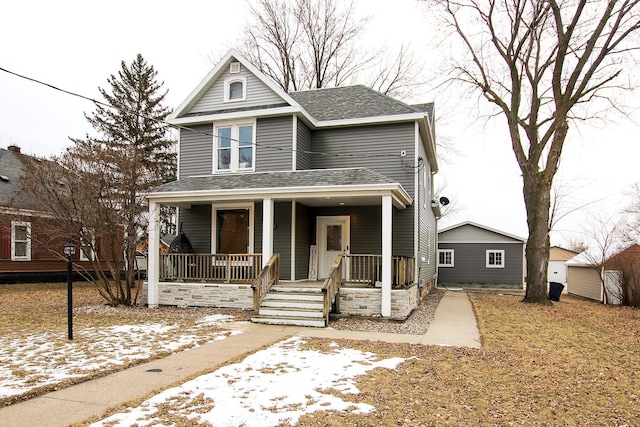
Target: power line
182, 127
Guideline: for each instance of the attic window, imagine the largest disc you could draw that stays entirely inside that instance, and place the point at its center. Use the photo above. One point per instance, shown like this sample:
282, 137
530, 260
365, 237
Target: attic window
234, 68
235, 89
4, 178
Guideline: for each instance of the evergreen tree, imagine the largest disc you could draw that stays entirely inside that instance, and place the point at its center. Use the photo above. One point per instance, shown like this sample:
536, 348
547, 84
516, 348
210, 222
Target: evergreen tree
131, 154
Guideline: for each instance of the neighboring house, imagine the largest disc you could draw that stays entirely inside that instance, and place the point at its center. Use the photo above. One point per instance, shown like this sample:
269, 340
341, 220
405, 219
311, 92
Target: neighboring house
23, 258
471, 255
557, 271
584, 277
317, 182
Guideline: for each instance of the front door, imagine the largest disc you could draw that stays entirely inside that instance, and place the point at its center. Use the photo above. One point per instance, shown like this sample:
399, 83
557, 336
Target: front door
332, 240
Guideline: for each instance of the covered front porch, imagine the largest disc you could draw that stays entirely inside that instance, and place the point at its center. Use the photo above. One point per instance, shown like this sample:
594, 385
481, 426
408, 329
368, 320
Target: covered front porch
238, 233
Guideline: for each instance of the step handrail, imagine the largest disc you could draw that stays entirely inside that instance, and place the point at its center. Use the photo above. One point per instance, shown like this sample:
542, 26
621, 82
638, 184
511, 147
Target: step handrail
269, 276
331, 286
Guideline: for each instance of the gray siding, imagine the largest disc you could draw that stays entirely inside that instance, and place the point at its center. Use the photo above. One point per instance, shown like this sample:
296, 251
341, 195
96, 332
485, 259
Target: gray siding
196, 150
257, 94
427, 252
366, 233
470, 264
303, 241
354, 142
196, 224
469, 233
274, 138
282, 237
303, 157
403, 224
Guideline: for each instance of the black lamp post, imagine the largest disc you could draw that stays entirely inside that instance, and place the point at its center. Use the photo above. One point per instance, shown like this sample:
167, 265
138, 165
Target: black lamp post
69, 251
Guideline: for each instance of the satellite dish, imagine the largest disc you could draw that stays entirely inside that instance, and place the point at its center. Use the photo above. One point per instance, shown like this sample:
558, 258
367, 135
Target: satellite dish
444, 201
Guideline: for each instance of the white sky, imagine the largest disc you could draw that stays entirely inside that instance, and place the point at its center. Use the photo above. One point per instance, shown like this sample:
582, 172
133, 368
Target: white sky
76, 45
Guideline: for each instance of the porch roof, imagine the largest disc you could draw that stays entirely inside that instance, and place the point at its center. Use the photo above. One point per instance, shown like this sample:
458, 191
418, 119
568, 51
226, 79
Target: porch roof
316, 187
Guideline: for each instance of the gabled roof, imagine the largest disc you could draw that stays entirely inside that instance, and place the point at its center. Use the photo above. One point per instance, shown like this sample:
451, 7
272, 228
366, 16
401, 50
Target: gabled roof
12, 169
349, 102
482, 227
216, 72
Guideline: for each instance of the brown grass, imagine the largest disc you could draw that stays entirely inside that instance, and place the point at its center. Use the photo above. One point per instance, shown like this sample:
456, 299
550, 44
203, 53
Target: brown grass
576, 363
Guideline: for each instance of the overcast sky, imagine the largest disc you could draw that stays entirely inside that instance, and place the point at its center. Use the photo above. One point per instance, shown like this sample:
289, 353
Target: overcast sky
77, 45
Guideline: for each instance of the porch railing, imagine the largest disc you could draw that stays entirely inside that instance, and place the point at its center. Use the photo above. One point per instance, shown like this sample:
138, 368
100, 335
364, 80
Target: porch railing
331, 285
224, 268
368, 269
269, 276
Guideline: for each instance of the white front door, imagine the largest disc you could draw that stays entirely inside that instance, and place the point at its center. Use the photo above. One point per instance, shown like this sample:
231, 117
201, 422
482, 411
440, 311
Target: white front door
332, 240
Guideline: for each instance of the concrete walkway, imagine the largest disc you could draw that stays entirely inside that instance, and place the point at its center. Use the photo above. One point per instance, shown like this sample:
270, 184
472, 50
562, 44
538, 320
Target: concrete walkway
454, 324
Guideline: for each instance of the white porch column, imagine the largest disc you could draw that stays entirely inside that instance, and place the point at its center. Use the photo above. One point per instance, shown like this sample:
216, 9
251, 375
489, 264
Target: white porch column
387, 262
153, 257
267, 230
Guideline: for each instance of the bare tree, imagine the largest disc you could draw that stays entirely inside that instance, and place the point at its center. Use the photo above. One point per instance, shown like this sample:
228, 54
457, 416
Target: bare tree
95, 192
311, 44
541, 63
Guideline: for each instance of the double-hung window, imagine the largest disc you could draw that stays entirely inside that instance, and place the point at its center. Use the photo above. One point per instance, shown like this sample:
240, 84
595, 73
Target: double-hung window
445, 258
20, 241
234, 147
495, 258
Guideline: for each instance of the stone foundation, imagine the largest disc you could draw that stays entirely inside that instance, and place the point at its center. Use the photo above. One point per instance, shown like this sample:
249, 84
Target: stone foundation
367, 302
203, 295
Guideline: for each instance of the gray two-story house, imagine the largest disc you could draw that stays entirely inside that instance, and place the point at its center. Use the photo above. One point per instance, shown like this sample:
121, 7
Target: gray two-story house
326, 192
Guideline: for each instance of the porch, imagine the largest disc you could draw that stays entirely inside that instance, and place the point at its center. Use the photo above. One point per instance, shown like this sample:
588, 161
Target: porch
362, 270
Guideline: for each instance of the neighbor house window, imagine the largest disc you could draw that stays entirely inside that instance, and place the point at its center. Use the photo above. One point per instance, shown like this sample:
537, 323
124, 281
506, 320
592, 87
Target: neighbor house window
235, 89
87, 243
20, 241
445, 258
495, 258
234, 147
233, 226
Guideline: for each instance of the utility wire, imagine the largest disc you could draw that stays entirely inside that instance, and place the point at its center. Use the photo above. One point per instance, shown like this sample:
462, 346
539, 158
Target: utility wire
182, 127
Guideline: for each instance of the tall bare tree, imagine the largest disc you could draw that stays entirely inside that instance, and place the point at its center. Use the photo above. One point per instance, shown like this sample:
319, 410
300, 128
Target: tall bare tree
542, 63
311, 44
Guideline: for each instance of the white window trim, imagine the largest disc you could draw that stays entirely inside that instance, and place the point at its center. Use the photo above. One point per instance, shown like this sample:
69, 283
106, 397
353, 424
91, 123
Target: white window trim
15, 224
500, 251
214, 225
227, 88
451, 251
235, 165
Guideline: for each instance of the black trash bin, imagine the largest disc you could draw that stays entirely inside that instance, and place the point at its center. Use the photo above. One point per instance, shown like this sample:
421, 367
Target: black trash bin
555, 289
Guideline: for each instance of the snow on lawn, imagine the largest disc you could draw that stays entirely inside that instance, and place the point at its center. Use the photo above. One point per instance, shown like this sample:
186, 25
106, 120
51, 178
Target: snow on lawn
31, 361
275, 385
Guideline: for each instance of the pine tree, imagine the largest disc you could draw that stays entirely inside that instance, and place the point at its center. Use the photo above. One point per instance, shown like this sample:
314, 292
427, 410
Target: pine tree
131, 154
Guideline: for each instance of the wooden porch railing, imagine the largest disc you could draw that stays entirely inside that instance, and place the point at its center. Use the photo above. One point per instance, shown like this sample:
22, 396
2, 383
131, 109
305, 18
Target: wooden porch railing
331, 286
225, 268
269, 276
368, 269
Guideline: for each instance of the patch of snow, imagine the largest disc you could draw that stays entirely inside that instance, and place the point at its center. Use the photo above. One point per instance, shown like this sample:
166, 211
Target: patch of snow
272, 386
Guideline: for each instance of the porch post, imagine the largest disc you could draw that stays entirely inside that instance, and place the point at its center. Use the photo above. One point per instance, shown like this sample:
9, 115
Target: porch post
153, 256
267, 230
387, 265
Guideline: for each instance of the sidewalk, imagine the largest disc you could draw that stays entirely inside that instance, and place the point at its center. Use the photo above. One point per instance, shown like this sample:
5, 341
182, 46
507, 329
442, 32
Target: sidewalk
454, 324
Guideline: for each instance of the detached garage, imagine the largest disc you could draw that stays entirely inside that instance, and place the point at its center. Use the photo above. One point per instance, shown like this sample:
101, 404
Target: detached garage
471, 255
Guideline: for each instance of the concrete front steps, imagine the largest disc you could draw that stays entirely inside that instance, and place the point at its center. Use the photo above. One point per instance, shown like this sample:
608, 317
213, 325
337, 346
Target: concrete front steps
295, 305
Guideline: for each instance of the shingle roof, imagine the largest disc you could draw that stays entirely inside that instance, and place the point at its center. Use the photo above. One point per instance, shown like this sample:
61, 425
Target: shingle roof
350, 102
272, 180
11, 167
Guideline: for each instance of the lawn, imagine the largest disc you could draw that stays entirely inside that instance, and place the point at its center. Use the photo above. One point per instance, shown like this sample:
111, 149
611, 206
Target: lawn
575, 363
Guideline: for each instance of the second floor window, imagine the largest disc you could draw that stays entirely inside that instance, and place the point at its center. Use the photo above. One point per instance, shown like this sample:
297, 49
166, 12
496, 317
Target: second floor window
234, 147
